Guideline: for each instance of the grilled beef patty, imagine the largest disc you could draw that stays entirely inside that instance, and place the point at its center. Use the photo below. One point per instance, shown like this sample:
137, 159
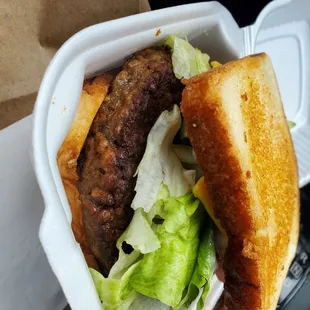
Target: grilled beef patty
116, 142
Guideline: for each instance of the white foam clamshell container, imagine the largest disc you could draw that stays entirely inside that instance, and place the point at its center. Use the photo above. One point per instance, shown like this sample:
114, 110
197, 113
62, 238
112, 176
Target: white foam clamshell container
282, 30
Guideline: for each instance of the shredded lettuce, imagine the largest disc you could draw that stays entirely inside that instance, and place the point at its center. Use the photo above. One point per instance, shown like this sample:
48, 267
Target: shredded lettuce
139, 234
203, 272
141, 237
115, 294
160, 164
123, 263
146, 303
170, 259
185, 153
162, 273
291, 124
165, 273
187, 61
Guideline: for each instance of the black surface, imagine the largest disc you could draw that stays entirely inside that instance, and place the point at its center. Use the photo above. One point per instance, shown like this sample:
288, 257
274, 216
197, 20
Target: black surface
244, 11
301, 301
296, 289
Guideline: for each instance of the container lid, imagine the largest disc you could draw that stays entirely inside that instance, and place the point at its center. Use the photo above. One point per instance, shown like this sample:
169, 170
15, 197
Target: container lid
282, 30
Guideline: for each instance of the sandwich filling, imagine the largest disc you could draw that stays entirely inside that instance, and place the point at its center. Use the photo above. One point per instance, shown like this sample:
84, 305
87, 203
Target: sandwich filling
150, 235
142, 211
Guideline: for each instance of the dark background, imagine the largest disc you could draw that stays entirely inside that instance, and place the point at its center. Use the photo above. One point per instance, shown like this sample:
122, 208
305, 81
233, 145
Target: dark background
244, 11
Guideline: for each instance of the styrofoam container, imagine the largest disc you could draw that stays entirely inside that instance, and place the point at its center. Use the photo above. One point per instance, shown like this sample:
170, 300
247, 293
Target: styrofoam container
209, 27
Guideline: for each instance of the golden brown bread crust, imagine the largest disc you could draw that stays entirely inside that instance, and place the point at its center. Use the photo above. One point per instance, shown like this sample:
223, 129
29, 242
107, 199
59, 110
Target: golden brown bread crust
238, 129
93, 94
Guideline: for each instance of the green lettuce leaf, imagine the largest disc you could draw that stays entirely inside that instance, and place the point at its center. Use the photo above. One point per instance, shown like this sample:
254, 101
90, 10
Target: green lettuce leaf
158, 212
291, 124
171, 272
146, 303
165, 273
139, 234
123, 263
160, 164
203, 272
187, 61
115, 294
141, 237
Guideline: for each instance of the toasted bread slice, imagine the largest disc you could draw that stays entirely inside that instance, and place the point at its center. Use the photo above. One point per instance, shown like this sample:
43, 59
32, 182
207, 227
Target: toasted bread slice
237, 126
93, 94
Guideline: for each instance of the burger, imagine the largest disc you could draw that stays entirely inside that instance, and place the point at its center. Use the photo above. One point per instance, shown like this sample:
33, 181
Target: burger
177, 170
